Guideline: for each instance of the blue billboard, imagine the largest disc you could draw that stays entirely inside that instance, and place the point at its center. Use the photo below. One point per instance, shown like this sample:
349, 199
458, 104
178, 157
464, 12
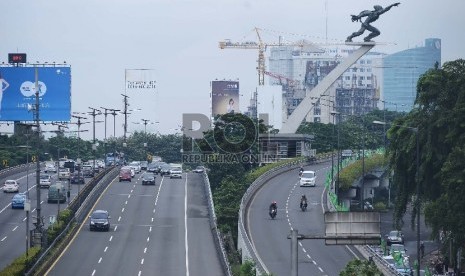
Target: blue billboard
18, 89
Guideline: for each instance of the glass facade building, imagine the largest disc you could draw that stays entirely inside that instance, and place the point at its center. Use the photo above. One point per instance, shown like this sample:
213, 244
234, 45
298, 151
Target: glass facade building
402, 71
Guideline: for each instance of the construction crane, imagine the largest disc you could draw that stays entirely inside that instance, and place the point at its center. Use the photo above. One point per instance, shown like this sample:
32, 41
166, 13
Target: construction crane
290, 82
261, 46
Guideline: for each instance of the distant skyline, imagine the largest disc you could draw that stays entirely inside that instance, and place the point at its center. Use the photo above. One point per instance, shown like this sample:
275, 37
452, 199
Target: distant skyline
179, 40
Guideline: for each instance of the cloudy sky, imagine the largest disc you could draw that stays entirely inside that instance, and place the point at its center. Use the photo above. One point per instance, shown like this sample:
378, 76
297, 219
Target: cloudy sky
179, 40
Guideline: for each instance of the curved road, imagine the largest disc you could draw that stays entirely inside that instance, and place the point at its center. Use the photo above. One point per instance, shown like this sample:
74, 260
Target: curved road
13, 221
270, 236
155, 230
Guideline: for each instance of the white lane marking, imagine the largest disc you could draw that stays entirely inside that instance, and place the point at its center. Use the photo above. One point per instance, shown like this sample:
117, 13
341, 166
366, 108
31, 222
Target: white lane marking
129, 196
185, 227
119, 218
150, 229
100, 260
116, 226
33, 210
132, 191
42, 202
145, 250
148, 239
152, 219
353, 253
140, 272
24, 219
126, 202
93, 272
320, 269
106, 248
5, 207
15, 228
111, 237
142, 261
122, 210
3, 239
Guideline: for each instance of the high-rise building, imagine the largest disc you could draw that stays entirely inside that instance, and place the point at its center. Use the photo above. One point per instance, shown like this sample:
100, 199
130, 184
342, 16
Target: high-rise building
402, 71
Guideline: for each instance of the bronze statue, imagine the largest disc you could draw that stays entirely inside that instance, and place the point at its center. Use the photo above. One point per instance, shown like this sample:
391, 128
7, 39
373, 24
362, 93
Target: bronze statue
371, 17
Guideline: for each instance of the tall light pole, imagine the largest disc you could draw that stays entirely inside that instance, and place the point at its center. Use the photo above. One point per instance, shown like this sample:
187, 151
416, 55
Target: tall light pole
79, 123
94, 112
145, 122
37, 125
336, 187
417, 179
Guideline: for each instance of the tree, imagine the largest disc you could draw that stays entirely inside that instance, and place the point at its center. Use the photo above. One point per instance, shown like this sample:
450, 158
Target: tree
360, 268
438, 115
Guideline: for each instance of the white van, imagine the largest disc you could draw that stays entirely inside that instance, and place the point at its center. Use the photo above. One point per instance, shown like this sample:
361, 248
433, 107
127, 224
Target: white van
307, 179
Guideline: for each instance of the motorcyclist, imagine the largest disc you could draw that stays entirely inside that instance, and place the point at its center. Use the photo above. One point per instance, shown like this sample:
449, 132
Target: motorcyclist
303, 201
301, 170
274, 206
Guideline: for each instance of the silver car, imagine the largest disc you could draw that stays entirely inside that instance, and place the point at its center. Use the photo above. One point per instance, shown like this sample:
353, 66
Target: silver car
10, 186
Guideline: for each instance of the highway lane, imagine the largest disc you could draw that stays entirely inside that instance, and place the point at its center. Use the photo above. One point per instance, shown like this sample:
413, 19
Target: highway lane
156, 230
270, 236
13, 221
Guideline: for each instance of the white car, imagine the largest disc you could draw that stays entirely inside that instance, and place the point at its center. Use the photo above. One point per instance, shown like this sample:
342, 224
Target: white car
10, 186
307, 179
136, 166
199, 169
64, 174
176, 172
50, 168
45, 180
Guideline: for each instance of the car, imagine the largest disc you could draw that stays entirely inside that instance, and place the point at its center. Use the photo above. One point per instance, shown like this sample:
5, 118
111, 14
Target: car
165, 169
368, 206
136, 166
398, 248
50, 168
64, 173
10, 186
87, 170
125, 174
148, 179
18, 200
45, 180
152, 167
394, 237
144, 165
307, 179
199, 169
77, 178
56, 195
99, 220
176, 172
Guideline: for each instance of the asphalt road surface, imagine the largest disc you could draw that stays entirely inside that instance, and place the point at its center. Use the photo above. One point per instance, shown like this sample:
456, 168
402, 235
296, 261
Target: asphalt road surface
155, 230
13, 221
270, 236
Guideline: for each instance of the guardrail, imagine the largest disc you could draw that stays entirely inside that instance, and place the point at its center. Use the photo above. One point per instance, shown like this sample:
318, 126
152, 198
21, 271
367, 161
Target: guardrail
213, 226
90, 193
16, 169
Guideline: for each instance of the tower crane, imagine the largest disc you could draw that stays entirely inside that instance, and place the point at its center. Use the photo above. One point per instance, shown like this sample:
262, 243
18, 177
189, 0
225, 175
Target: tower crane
290, 82
261, 46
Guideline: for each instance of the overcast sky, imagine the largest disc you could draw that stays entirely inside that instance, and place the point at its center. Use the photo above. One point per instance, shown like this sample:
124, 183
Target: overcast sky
179, 40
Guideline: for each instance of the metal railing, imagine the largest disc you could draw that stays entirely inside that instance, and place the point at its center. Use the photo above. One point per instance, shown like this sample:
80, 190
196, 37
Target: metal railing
213, 226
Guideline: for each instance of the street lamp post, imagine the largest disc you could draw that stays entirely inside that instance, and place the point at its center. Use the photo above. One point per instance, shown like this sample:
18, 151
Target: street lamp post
417, 179
336, 187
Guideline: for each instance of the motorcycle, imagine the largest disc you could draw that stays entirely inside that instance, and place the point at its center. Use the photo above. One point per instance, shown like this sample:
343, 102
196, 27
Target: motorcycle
273, 213
303, 205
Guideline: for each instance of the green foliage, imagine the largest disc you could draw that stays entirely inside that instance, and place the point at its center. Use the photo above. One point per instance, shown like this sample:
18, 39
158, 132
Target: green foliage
380, 206
354, 171
360, 268
438, 119
248, 269
19, 265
